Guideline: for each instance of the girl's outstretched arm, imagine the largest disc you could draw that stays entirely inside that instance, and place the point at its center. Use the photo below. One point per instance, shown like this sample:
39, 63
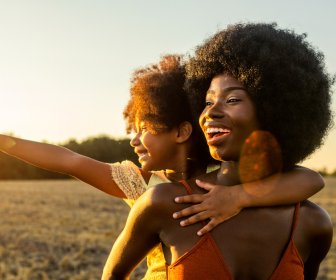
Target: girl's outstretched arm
62, 160
222, 203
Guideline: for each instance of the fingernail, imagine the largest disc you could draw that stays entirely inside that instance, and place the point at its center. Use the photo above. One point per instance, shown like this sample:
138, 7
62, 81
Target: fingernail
175, 215
199, 233
177, 199
182, 223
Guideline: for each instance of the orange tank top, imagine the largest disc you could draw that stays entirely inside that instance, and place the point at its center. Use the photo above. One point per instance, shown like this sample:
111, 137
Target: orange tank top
205, 261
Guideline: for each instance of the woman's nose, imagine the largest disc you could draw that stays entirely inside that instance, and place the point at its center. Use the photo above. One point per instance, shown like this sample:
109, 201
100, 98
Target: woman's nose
214, 111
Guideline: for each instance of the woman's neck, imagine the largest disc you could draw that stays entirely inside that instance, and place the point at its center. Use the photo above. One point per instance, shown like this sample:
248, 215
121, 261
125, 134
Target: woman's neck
228, 173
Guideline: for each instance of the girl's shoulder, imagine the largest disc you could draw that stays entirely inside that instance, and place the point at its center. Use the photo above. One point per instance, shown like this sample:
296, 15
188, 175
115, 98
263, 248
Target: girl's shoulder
134, 181
129, 178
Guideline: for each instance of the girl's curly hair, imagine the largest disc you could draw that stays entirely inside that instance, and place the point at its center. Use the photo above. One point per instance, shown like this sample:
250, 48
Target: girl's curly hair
158, 98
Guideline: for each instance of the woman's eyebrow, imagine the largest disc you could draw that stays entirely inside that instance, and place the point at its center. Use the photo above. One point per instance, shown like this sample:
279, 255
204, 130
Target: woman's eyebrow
233, 88
225, 90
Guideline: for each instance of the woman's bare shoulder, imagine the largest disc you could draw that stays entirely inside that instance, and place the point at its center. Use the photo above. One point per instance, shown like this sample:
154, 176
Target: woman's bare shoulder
165, 193
315, 219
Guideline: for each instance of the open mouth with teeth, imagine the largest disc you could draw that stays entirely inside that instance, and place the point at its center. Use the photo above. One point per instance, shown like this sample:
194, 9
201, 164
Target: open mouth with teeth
213, 132
142, 155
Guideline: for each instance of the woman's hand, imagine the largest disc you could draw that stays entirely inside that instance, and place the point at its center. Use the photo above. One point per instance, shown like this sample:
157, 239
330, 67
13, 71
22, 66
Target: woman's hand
219, 204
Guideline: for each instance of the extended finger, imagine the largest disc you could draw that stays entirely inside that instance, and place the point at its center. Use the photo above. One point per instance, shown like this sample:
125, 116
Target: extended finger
192, 198
188, 211
208, 227
213, 223
204, 185
195, 219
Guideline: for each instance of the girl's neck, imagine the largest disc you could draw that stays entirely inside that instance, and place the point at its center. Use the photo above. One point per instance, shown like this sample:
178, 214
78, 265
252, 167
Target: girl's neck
176, 176
190, 169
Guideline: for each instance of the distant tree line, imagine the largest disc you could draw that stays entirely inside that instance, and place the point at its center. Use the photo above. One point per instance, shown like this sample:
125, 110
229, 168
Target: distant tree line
324, 172
102, 148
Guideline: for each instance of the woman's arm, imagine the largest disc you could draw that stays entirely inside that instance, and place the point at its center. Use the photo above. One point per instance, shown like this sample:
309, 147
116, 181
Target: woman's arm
62, 160
222, 203
316, 224
140, 235
320, 249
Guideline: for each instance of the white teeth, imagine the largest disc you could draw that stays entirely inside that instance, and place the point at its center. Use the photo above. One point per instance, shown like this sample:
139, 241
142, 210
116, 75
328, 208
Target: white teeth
216, 130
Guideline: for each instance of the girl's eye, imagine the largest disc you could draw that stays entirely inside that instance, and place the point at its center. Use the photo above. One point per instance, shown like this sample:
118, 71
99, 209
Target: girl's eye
208, 103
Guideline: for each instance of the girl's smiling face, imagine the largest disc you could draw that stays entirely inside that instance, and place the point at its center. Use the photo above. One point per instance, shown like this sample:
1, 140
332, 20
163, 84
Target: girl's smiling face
228, 118
156, 151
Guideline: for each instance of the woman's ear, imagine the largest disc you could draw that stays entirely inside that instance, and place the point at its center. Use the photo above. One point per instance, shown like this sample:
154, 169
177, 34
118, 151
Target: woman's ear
184, 131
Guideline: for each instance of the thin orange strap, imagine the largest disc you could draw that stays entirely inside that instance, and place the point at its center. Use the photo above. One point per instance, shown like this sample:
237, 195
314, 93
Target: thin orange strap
186, 186
189, 191
295, 218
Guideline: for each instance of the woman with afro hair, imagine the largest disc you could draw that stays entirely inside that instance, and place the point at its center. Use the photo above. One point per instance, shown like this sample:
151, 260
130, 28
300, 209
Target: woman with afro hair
263, 96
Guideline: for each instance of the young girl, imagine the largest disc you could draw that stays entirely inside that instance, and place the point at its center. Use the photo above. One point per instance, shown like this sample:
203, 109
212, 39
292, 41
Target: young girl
267, 106
170, 147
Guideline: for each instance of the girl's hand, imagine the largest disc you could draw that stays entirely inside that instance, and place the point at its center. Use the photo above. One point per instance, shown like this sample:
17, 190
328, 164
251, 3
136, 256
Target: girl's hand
218, 205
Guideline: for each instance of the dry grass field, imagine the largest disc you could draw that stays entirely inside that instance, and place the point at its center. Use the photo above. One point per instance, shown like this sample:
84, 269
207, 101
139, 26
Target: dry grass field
64, 229
60, 229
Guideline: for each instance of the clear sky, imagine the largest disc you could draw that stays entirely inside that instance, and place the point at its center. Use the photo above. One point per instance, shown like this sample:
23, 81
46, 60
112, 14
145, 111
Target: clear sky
65, 65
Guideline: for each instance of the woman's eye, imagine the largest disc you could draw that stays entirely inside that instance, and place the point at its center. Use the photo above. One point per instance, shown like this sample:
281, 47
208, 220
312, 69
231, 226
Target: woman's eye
233, 100
208, 103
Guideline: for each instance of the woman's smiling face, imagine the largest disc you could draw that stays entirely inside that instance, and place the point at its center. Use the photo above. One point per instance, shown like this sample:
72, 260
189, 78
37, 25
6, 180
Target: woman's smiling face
228, 118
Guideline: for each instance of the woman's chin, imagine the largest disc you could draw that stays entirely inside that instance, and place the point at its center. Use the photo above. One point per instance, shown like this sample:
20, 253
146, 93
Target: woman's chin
215, 154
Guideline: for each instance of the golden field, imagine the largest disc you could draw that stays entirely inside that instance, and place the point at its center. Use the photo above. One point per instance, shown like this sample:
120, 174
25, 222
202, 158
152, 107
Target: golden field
64, 229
